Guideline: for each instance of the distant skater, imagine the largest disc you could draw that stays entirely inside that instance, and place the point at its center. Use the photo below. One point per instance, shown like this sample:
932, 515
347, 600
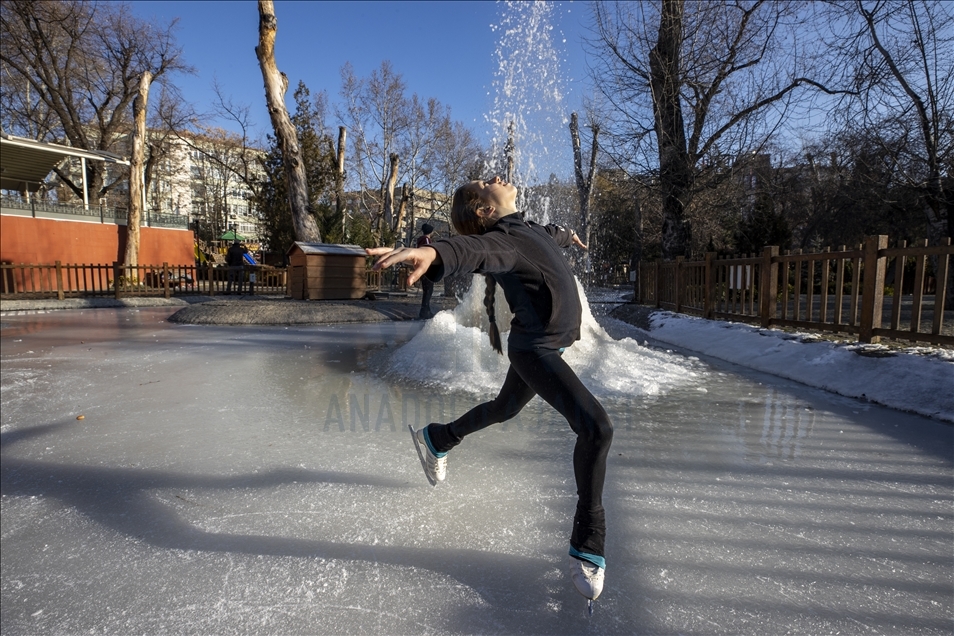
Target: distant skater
525, 259
426, 285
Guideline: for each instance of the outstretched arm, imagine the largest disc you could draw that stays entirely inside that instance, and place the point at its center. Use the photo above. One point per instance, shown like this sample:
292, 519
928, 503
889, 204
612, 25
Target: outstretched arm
564, 236
419, 258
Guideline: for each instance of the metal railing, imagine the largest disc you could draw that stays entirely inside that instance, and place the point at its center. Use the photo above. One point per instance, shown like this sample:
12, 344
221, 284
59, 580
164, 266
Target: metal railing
102, 213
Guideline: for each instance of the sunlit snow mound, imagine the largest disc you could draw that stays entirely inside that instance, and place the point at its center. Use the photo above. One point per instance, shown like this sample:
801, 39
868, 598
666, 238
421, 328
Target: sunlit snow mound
452, 352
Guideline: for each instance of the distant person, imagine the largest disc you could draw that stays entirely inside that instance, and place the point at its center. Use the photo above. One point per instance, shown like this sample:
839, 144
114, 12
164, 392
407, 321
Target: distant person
526, 261
235, 259
426, 285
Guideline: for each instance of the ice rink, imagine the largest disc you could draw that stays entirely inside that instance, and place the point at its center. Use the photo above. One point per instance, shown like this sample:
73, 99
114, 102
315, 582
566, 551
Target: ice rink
238, 480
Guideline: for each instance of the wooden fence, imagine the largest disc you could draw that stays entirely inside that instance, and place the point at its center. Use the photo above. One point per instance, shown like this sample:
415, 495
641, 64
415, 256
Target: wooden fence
58, 280
839, 291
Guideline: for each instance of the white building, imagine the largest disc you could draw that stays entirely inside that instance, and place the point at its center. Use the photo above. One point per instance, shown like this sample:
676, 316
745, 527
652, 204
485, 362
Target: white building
201, 177
206, 177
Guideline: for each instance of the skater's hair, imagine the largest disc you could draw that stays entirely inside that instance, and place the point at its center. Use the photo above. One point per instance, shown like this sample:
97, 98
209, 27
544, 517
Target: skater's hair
464, 208
489, 297
464, 217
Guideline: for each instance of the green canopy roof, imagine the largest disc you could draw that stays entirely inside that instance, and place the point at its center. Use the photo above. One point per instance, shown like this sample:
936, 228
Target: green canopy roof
231, 235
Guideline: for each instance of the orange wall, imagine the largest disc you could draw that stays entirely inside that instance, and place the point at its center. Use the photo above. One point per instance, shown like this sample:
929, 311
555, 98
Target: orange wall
28, 240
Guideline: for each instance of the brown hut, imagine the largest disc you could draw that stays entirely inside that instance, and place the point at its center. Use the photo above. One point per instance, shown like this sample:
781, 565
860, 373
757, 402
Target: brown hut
321, 271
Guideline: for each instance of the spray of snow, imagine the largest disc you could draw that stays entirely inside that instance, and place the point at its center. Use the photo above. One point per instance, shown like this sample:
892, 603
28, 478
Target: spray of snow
452, 352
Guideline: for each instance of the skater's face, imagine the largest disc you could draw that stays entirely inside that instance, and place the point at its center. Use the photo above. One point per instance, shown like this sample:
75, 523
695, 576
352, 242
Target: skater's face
479, 204
495, 193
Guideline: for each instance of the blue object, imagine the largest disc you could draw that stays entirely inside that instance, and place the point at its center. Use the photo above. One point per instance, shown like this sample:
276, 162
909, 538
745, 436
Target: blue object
430, 446
592, 558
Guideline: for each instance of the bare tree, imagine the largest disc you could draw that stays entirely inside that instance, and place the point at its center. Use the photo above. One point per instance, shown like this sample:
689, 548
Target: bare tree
387, 194
170, 115
137, 188
225, 156
340, 153
220, 161
584, 182
276, 85
455, 157
375, 111
427, 122
398, 139
79, 63
715, 80
902, 61
855, 190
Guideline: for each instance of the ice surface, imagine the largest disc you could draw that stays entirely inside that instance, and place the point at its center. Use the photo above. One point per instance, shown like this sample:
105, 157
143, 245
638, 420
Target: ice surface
235, 480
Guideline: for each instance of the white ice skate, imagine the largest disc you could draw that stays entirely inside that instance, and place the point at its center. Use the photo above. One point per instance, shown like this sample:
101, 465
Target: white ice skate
587, 577
435, 466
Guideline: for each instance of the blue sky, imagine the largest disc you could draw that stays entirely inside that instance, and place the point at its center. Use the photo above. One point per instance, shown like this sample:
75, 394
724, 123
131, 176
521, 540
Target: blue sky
443, 49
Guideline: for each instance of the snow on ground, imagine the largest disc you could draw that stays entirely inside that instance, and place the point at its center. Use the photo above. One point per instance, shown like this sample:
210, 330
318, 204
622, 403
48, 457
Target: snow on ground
918, 380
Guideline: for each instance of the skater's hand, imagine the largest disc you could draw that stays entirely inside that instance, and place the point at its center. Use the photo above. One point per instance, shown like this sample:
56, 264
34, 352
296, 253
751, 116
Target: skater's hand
578, 242
419, 258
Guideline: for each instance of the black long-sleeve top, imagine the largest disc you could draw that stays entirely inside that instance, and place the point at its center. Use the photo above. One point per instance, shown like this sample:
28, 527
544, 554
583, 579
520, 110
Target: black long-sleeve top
525, 260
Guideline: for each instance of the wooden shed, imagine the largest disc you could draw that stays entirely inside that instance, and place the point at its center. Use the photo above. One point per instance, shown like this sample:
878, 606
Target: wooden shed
322, 271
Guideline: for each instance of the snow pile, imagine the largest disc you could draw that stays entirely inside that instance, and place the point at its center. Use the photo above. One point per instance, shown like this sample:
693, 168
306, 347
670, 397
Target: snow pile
908, 380
452, 352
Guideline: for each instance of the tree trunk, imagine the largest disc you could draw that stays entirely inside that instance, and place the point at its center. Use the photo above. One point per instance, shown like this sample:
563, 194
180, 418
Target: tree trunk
948, 201
136, 172
584, 183
412, 217
340, 178
389, 192
675, 168
402, 210
276, 84
636, 259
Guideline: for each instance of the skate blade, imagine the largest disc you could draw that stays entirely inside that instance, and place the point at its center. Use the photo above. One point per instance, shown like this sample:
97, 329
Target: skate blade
590, 606
420, 455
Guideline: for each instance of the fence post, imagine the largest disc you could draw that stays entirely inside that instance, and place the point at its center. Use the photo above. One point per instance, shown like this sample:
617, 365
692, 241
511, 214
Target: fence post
657, 274
709, 282
59, 281
165, 280
211, 279
677, 283
637, 282
872, 295
116, 280
768, 285
940, 289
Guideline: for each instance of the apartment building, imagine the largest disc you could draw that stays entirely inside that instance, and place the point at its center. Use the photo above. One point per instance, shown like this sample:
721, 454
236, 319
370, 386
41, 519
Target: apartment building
203, 178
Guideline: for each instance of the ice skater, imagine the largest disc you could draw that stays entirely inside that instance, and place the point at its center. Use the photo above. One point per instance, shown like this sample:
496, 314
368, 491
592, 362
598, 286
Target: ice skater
525, 259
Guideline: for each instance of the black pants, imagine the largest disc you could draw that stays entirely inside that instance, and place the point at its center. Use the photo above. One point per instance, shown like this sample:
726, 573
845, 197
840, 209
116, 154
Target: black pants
543, 372
237, 274
428, 288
